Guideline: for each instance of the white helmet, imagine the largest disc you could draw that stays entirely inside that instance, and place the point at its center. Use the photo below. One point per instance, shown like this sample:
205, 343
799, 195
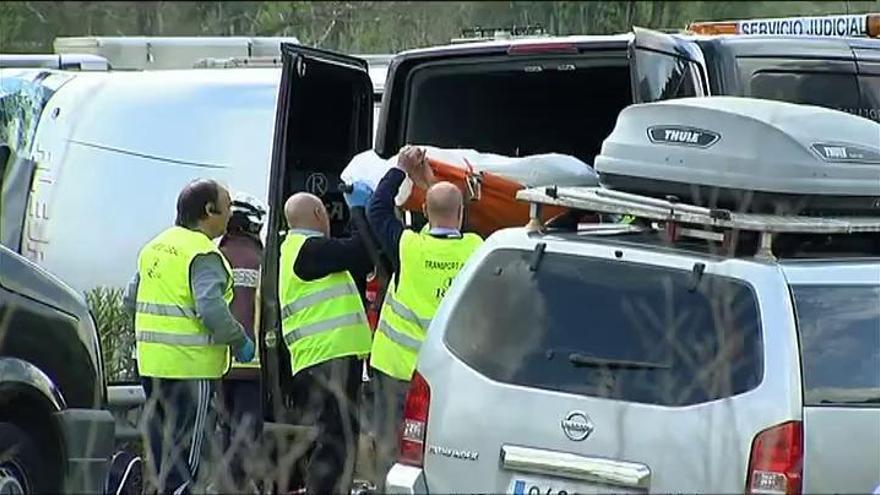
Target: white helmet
248, 213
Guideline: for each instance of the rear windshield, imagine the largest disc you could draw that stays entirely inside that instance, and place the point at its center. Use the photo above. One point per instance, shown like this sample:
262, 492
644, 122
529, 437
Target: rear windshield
608, 329
519, 108
840, 343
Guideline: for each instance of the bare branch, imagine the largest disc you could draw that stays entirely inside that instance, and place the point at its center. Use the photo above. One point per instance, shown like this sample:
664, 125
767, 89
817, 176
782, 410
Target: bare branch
329, 29
36, 12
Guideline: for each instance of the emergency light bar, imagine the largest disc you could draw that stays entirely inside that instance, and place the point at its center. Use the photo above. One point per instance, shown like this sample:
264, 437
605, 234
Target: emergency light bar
858, 25
479, 33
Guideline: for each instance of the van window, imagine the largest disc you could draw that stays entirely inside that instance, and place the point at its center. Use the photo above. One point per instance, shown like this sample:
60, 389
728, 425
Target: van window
666, 77
839, 329
825, 89
567, 105
608, 329
870, 107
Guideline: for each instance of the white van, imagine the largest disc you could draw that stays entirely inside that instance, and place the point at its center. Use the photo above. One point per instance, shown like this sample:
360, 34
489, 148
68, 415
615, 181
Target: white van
110, 151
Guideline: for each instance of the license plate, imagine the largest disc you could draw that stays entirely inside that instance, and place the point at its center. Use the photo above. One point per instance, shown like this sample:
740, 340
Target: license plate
543, 485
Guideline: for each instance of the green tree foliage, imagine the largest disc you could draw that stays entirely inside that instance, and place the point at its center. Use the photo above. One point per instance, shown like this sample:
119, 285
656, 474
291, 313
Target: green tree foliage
115, 332
367, 27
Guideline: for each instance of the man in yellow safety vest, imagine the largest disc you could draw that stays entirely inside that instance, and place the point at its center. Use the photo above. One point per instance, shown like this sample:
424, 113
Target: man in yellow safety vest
184, 332
321, 280
425, 264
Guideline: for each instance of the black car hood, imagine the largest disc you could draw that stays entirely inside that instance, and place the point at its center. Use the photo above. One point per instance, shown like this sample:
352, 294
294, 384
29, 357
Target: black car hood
23, 277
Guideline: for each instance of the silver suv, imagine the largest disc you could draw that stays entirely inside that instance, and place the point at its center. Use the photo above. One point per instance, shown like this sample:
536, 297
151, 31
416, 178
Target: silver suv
607, 359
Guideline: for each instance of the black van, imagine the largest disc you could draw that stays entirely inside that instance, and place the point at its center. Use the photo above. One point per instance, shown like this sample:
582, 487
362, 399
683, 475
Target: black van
517, 98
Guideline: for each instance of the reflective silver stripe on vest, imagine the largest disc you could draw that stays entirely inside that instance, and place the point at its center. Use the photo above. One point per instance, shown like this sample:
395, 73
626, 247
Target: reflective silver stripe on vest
316, 298
398, 337
154, 337
245, 277
165, 310
408, 314
324, 326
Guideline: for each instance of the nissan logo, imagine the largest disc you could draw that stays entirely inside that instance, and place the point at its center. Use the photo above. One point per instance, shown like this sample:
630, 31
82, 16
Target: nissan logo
577, 426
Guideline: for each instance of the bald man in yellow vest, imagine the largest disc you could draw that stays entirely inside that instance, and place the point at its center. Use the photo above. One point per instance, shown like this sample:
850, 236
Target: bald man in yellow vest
324, 324
425, 263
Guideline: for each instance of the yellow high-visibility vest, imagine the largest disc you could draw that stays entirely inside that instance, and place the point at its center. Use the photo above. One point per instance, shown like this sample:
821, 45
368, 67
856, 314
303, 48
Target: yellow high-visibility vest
321, 319
171, 340
428, 265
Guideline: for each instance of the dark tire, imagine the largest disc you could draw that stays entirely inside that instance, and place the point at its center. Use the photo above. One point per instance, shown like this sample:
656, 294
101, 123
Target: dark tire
20, 457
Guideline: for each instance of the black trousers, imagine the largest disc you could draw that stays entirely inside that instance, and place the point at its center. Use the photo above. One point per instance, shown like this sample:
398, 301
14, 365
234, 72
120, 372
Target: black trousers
241, 428
389, 398
331, 406
177, 419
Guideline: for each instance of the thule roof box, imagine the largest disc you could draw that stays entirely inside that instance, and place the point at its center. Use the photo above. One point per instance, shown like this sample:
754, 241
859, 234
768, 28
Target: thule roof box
746, 155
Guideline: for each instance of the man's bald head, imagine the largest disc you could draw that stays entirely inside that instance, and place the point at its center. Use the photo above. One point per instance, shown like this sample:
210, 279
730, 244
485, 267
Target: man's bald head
307, 211
443, 205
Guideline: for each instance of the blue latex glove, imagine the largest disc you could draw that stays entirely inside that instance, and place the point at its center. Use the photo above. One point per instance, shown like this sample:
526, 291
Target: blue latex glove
359, 196
246, 351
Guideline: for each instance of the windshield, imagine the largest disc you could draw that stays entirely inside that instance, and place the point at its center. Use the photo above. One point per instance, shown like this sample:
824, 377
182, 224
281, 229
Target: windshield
839, 330
23, 96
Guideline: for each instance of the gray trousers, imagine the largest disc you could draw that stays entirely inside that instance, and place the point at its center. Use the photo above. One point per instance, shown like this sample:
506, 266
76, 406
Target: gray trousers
389, 397
177, 418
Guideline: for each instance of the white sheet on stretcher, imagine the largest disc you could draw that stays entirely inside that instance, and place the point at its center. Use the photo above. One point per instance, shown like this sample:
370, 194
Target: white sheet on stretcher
530, 171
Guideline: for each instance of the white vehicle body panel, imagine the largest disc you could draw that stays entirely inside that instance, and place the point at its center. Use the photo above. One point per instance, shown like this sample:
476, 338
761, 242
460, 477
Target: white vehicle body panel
113, 150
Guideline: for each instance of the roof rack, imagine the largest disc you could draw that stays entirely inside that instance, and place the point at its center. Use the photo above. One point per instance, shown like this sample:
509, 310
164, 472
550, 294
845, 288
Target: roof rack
678, 219
237, 62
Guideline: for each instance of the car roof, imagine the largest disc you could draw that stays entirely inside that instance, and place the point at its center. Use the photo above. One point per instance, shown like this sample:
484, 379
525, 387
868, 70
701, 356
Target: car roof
788, 46
154, 122
832, 271
634, 237
752, 45
479, 46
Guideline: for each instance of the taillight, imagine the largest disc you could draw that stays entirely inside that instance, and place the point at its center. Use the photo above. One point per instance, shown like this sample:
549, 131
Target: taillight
415, 422
534, 48
372, 294
776, 463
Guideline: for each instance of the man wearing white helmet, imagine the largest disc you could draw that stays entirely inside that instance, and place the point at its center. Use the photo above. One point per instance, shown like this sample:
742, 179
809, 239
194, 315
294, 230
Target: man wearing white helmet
240, 390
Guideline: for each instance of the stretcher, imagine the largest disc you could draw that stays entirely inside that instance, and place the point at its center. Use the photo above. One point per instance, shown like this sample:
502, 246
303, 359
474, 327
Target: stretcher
488, 182
490, 199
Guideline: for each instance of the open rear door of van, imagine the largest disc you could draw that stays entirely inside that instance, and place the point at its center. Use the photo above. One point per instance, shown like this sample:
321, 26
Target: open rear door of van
324, 117
664, 67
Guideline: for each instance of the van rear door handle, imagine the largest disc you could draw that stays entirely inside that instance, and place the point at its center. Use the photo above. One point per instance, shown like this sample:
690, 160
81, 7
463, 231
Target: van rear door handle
612, 472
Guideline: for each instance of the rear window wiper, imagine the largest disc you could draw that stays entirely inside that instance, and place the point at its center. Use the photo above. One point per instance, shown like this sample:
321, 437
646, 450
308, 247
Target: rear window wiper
584, 361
